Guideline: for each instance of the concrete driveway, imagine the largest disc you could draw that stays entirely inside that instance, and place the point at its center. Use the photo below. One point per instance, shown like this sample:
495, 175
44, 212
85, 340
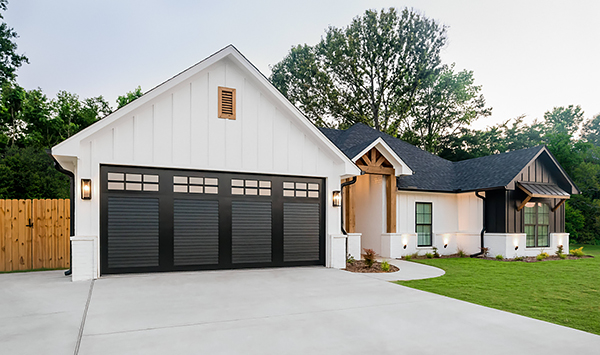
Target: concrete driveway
310, 310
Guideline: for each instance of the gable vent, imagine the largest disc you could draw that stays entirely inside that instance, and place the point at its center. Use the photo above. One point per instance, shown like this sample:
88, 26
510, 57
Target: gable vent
226, 103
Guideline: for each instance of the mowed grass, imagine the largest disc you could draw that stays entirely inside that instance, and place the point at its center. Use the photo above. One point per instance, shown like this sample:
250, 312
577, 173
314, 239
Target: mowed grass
565, 292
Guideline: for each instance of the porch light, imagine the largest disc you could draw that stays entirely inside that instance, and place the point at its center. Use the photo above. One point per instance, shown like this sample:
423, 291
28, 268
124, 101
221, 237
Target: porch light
337, 199
86, 189
516, 241
404, 247
516, 247
445, 245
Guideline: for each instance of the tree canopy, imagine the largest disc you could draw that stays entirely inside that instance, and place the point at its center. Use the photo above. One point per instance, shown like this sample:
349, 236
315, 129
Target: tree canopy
384, 70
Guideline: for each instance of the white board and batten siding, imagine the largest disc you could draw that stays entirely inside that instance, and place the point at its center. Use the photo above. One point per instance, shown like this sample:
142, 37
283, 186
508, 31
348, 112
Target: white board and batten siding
176, 125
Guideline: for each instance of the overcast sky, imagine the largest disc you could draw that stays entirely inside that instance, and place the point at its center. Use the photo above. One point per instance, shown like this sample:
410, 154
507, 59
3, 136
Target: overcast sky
529, 56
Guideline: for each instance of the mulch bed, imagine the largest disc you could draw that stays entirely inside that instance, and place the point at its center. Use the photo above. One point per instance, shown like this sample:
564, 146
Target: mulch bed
360, 266
533, 259
528, 259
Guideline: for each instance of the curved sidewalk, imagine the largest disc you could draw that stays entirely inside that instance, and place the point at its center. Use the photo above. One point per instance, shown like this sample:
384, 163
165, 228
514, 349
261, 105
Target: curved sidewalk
408, 271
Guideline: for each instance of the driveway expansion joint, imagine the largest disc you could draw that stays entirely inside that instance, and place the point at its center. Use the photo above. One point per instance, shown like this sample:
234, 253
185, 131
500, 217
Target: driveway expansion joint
85, 311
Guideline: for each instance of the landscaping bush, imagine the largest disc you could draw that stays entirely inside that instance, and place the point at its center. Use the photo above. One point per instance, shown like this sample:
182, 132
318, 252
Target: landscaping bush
369, 256
435, 252
429, 255
518, 258
560, 252
461, 253
385, 266
350, 260
577, 252
499, 257
485, 252
541, 256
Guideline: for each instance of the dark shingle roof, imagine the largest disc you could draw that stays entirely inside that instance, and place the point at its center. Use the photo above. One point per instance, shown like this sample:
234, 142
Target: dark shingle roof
431, 172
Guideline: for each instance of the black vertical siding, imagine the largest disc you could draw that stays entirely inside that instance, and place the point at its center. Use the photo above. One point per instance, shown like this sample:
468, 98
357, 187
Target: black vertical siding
501, 206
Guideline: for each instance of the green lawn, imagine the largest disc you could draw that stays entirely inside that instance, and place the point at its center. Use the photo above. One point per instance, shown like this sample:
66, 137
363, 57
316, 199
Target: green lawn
565, 292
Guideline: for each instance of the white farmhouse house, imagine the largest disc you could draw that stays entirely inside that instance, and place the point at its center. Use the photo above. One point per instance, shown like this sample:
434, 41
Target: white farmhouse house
215, 169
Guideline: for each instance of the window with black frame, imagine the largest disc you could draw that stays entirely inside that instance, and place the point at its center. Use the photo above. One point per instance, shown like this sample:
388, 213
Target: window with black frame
537, 217
423, 224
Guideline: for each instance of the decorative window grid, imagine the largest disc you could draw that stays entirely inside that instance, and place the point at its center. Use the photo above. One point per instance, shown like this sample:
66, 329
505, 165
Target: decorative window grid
250, 187
300, 189
132, 182
195, 185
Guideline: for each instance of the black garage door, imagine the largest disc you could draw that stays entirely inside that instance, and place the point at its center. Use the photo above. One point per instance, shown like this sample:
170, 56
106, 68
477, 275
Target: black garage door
166, 220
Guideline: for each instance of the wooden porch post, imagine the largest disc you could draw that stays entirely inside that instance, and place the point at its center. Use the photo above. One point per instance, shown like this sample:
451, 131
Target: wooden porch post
391, 202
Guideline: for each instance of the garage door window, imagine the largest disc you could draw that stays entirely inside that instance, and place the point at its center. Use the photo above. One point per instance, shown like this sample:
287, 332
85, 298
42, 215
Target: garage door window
250, 187
195, 185
132, 182
300, 189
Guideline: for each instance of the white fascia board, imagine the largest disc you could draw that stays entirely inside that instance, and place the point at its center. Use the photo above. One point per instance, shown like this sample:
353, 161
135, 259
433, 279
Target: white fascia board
70, 146
400, 167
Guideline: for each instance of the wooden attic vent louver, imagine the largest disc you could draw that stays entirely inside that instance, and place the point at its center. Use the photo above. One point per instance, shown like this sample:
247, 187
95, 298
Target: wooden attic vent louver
226, 103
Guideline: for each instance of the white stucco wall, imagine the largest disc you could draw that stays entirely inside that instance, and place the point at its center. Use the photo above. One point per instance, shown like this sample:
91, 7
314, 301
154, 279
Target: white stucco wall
179, 128
370, 205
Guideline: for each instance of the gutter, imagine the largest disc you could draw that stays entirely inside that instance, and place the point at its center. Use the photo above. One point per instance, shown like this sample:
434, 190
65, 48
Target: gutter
484, 226
71, 176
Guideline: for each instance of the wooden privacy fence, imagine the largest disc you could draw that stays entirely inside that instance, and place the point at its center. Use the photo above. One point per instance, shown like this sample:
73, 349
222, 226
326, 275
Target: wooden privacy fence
34, 234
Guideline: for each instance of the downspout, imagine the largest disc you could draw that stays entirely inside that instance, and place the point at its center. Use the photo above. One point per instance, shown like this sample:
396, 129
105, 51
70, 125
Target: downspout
344, 184
484, 226
71, 176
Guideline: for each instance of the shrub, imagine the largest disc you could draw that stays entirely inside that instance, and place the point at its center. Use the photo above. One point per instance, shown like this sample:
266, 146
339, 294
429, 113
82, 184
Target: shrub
541, 256
485, 252
577, 252
562, 256
350, 259
499, 257
411, 256
429, 255
369, 257
385, 266
435, 252
560, 251
461, 253
518, 258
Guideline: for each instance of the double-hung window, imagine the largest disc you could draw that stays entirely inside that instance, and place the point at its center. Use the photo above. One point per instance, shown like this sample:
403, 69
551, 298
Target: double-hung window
537, 217
423, 224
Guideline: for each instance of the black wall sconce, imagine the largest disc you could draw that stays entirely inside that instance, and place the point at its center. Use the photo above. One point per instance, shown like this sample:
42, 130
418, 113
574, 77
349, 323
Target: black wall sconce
86, 189
337, 199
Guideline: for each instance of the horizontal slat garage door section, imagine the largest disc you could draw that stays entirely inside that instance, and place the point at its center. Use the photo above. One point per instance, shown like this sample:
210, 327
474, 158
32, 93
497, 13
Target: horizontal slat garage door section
132, 232
165, 220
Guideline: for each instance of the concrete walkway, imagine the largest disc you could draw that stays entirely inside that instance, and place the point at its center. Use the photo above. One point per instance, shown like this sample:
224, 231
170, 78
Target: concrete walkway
308, 310
408, 271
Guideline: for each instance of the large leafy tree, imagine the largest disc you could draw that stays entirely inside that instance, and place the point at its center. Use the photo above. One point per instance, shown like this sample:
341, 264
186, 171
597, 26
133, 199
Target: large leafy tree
123, 100
370, 71
591, 130
444, 104
10, 60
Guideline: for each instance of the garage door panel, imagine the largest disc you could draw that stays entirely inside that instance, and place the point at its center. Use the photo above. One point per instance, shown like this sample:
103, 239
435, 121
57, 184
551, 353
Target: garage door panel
133, 232
301, 231
251, 232
249, 220
196, 232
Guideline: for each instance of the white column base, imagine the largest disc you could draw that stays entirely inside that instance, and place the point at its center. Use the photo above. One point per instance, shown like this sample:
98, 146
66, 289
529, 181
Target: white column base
84, 264
336, 246
354, 245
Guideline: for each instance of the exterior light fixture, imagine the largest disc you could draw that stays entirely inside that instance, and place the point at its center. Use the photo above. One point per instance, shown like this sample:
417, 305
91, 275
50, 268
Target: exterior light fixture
445, 245
516, 247
86, 189
404, 246
337, 199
